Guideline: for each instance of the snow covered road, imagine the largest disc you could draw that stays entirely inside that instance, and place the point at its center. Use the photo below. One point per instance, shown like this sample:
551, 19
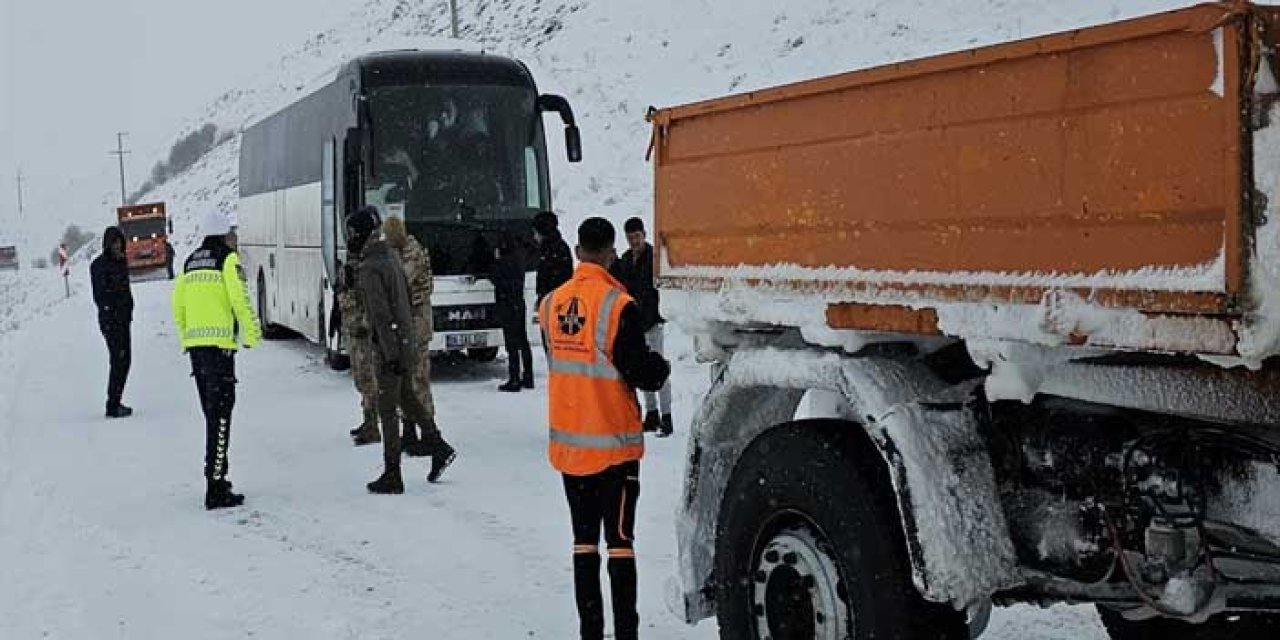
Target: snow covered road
103, 534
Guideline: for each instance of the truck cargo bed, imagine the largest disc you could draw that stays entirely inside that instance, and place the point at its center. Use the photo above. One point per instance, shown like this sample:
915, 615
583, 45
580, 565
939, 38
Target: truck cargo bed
1108, 186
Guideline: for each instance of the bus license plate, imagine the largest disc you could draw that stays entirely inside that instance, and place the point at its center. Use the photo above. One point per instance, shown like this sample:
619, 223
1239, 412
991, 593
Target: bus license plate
466, 340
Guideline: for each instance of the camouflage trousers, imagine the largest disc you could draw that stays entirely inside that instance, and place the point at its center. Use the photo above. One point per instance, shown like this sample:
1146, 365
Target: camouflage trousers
422, 330
364, 370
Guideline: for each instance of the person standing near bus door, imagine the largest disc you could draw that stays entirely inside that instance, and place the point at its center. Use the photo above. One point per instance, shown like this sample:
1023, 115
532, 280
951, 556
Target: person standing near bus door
113, 296
212, 311
555, 262
508, 275
387, 300
597, 358
355, 322
417, 270
635, 271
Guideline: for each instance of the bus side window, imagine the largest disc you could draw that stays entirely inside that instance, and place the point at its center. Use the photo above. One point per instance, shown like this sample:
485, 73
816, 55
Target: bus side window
533, 199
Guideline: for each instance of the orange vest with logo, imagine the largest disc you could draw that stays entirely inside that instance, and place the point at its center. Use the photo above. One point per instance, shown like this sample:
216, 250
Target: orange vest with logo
595, 420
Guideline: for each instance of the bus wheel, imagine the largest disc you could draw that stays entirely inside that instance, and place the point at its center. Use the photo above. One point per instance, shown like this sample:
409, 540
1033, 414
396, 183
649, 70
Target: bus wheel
809, 546
488, 354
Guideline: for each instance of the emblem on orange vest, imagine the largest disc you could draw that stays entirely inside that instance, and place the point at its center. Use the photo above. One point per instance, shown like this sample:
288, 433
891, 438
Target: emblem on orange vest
572, 320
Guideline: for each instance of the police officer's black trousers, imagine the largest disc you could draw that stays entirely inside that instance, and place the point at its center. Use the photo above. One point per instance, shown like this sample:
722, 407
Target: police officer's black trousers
120, 350
606, 499
215, 372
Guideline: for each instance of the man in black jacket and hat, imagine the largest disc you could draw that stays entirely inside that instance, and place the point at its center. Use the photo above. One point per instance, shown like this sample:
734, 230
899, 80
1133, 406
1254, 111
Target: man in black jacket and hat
111, 293
555, 263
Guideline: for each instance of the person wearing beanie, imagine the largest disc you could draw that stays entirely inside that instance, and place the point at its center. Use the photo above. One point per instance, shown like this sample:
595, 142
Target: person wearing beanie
214, 316
635, 271
388, 304
555, 263
114, 299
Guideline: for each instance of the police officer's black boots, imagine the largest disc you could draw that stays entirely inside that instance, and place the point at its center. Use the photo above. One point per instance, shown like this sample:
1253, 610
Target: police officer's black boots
218, 495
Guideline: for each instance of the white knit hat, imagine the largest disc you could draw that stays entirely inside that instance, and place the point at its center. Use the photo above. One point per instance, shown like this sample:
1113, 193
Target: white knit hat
217, 222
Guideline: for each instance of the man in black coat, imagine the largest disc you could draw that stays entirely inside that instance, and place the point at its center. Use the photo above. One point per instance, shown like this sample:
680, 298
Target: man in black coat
635, 271
111, 293
508, 295
555, 262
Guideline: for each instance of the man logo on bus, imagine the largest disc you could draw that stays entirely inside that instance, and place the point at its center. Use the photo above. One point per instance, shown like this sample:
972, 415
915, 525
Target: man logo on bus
571, 320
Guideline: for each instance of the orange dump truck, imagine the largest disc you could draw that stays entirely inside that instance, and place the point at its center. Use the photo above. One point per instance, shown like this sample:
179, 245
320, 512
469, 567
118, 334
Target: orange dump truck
995, 326
146, 233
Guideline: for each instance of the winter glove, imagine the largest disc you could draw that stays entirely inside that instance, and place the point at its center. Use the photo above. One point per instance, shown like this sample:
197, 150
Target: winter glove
654, 373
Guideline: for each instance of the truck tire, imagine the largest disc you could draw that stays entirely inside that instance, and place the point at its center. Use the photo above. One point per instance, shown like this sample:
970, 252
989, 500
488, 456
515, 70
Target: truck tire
1242, 626
809, 544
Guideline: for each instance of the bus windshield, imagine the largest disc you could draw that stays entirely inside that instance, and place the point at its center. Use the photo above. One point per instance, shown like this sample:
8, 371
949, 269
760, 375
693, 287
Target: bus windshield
457, 153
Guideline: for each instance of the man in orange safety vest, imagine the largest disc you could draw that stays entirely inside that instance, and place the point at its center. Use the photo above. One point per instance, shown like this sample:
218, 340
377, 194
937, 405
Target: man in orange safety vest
597, 358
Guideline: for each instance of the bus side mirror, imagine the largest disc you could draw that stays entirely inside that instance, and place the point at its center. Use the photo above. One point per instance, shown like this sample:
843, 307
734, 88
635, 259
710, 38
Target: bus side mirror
572, 137
573, 143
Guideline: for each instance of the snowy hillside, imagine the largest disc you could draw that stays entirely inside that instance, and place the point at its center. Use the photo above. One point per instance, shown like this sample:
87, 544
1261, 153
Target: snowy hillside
615, 58
115, 536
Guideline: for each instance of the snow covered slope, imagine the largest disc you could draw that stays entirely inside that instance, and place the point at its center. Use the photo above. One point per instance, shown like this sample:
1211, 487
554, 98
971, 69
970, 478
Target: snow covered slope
615, 58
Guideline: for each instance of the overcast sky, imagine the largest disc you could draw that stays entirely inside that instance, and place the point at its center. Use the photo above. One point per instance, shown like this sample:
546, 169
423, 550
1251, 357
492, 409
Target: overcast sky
74, 72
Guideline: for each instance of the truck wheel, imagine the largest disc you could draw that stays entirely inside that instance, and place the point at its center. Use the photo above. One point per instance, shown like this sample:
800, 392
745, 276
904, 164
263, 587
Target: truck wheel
808, 545
1227, 626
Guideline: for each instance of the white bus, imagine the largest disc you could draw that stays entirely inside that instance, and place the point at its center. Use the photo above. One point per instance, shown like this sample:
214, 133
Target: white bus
452, 142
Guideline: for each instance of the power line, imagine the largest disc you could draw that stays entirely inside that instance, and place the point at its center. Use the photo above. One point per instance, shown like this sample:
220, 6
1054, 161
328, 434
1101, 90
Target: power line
120, 153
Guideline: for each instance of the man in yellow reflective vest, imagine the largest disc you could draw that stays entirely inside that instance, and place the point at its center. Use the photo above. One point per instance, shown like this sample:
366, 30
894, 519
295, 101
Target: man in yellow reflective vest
597, 358
213, 315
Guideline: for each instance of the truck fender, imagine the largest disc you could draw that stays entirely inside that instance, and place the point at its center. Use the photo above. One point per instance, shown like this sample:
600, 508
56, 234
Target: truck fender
944, 486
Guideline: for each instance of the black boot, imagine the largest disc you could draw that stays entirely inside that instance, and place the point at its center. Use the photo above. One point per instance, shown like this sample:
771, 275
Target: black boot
526, 358
218, 495
513, 373
586, 592
389, 482
370, 420
410, 444
668, 427
441, 458
367, 434
652, 422
622, 584
117, 410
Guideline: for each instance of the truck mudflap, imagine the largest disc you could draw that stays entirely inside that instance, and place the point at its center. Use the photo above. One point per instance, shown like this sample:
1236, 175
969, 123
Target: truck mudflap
926, 430
956, 531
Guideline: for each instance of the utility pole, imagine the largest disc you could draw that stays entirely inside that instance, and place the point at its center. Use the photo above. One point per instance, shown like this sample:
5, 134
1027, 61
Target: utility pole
19, 192
120, 153
453, 17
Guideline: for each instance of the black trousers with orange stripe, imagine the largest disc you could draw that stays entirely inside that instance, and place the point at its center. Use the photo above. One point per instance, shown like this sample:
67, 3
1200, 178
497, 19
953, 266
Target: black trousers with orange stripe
606, 502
